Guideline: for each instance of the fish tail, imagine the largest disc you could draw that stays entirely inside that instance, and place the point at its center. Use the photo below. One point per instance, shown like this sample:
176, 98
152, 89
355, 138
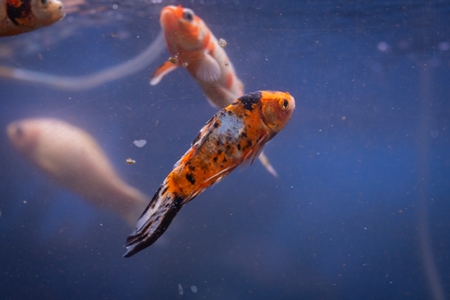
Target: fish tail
266, 164
154, 221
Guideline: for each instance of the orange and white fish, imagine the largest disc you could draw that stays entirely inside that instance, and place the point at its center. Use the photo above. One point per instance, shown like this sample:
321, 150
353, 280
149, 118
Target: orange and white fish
236, 134
74, 160
193, 46
19, 16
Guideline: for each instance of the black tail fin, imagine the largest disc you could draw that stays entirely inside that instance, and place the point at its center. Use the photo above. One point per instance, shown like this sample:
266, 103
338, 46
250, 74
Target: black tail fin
154, 221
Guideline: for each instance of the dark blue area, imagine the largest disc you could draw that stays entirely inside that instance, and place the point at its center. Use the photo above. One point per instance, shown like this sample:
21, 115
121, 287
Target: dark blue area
366, 154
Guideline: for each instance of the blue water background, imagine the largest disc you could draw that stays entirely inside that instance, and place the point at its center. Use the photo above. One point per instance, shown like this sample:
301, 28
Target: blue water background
366, 152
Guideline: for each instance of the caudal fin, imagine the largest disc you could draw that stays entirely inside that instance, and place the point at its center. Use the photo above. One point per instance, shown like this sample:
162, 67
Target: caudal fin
154, 221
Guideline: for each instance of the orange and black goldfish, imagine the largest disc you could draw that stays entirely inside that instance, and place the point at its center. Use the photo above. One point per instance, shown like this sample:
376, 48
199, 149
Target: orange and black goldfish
193, 46
236, 134
19, 16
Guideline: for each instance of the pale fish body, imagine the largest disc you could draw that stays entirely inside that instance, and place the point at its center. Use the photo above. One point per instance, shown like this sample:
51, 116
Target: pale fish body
19, 16
74, 160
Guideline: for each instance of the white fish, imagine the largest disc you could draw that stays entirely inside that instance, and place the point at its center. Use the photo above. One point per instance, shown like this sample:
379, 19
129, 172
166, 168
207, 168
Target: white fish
74, 160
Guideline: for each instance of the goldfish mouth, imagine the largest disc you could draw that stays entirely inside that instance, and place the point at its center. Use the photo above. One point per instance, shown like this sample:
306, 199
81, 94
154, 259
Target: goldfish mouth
170, 16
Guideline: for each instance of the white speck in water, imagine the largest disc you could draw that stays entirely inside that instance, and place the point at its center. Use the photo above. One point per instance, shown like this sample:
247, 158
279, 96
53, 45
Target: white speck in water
140, 143
180, 289
193, 288
24, 201
444, 46
383, 46
222, 43
115, 6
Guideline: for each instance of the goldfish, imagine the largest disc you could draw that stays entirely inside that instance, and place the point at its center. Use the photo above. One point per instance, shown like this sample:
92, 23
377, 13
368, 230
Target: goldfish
235, 135
19, 16
193, 46
72, 158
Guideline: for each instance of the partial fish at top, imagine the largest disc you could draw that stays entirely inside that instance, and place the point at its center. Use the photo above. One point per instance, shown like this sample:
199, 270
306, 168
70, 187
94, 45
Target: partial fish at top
19, 16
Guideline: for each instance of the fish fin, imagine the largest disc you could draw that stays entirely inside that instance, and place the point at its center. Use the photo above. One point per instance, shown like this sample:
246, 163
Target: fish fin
216, 178
162, 71
208, 69
154, 221
213, 104
250, 157
199, 139
203, 133
264, 160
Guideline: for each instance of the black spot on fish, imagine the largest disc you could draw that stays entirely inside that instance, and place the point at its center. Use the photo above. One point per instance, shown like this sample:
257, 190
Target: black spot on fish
18, 12
216, 124
243, 134
249, 142
250, 99
190, 178
191, 167
224, 160
239, 147
230, 112
215, 159
219, 151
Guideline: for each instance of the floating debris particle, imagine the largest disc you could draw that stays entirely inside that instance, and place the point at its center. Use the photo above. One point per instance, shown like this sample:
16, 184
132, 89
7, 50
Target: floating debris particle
180, 289
140, 143
130, 161
222, 43
173, 59
194, 289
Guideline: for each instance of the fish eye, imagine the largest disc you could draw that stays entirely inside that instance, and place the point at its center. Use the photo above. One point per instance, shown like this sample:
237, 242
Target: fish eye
284, 104
188, 14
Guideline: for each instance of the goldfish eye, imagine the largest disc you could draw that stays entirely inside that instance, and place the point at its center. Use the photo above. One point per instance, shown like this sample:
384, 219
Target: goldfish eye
188, 14
285, 104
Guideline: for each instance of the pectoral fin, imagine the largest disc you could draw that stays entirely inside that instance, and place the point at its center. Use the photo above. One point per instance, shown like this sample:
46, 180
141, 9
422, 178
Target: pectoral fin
164, 69
208, 69
264, 160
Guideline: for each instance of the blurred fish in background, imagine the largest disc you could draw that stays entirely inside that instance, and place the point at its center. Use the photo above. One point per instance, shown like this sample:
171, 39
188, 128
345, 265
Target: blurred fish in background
20, 16
72, 158
83, 13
